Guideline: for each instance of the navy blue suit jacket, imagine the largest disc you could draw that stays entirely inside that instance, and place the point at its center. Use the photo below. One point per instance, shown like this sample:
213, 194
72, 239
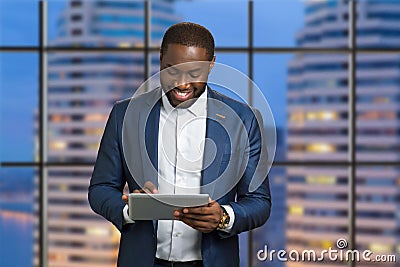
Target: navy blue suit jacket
231, 159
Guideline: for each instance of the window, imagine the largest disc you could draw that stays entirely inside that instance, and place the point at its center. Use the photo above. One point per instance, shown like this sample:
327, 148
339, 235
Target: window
76, 32
76, 3
76, 18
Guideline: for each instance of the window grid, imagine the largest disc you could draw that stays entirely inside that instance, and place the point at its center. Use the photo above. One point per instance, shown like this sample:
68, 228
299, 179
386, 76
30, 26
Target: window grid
352, 128
43, 234
352, 50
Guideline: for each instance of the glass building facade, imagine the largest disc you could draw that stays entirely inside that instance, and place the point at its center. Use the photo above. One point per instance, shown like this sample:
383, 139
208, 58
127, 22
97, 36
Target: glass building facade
82, 88
318, 128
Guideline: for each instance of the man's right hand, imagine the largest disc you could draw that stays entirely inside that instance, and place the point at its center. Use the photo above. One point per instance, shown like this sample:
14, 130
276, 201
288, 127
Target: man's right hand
148, 188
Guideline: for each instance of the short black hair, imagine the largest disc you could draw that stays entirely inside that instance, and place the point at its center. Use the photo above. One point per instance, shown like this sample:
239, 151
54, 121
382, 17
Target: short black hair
189, 34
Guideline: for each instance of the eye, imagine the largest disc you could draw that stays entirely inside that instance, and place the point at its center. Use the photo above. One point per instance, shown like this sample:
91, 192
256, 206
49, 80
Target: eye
172, 71
195, 74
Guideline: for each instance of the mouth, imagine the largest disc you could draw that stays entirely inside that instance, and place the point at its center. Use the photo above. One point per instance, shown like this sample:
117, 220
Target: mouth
182, 95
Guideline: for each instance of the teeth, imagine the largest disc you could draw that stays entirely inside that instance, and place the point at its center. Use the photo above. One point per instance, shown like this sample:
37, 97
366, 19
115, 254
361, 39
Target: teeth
182, 93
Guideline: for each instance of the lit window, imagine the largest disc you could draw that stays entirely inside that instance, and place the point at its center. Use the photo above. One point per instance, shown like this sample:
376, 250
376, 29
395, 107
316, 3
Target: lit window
311, 116
322, 179
375, 115
297, 117
326, 244
58, 145
296, 210
57, 256
124, 45
94, 146
96, 117
321, 148
380, 248
369, 115
63, 188
115, 235
327, 115
97, 231
94, 131
322, 115
56, 118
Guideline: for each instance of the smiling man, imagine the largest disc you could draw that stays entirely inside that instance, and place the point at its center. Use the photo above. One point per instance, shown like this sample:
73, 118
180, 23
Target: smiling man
166, 151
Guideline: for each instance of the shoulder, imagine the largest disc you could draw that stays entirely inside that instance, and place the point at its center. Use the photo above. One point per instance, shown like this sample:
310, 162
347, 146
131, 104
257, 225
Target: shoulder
242, 109
138, 102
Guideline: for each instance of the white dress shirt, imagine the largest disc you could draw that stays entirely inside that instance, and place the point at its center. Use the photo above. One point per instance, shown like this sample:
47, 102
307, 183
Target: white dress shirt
181, 139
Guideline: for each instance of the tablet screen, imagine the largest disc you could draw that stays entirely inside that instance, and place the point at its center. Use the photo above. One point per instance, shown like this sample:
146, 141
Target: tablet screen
161, 206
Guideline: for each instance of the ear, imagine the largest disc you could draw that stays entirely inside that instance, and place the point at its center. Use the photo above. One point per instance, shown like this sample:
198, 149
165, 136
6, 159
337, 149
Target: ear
211, 64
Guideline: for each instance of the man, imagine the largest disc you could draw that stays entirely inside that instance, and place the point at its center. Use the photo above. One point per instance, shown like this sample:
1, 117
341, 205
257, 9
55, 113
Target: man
146, 145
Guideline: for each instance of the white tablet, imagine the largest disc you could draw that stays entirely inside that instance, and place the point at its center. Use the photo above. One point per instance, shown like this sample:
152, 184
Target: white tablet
161, 206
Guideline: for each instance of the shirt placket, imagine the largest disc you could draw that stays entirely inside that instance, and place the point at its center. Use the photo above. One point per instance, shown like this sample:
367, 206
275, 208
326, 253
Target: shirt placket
176, 233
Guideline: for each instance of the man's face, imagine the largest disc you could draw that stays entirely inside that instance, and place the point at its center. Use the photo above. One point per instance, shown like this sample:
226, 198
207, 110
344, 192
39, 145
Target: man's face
184, 83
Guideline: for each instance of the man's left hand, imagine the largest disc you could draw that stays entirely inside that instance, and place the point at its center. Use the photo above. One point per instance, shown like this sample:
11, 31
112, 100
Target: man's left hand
204, 218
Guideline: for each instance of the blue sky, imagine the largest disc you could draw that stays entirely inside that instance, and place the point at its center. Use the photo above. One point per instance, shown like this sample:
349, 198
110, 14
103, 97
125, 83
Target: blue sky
275, 24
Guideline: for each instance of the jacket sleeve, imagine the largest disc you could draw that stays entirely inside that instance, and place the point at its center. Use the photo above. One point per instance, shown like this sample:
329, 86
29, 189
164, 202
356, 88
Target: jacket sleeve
252, 208
107, 181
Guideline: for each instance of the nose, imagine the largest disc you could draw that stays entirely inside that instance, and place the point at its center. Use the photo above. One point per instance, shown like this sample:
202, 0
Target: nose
182, 84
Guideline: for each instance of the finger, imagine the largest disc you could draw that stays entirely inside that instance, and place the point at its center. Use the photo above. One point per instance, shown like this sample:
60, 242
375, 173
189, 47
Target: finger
139, 191
201, 218
204, 210
178, 215
146, 190
125, 198
212, 202
150, 187
150, 191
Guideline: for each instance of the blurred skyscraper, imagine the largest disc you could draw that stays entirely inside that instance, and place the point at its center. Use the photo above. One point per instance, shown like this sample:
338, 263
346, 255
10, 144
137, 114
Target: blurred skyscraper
317, 197
82, 87
272, 233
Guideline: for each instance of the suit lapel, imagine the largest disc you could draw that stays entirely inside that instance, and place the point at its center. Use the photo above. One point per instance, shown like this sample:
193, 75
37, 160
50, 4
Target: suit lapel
149, 121
216, 138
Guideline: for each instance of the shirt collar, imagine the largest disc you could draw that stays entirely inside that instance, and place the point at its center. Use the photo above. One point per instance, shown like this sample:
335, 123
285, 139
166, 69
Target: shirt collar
166, 105
198, 108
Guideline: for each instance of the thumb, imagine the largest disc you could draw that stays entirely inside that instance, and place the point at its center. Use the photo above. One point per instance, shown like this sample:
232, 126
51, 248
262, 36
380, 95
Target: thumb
211, 202
125, 198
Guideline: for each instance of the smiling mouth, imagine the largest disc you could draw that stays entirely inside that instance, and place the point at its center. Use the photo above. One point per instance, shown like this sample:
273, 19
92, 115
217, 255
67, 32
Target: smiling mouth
182, 95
